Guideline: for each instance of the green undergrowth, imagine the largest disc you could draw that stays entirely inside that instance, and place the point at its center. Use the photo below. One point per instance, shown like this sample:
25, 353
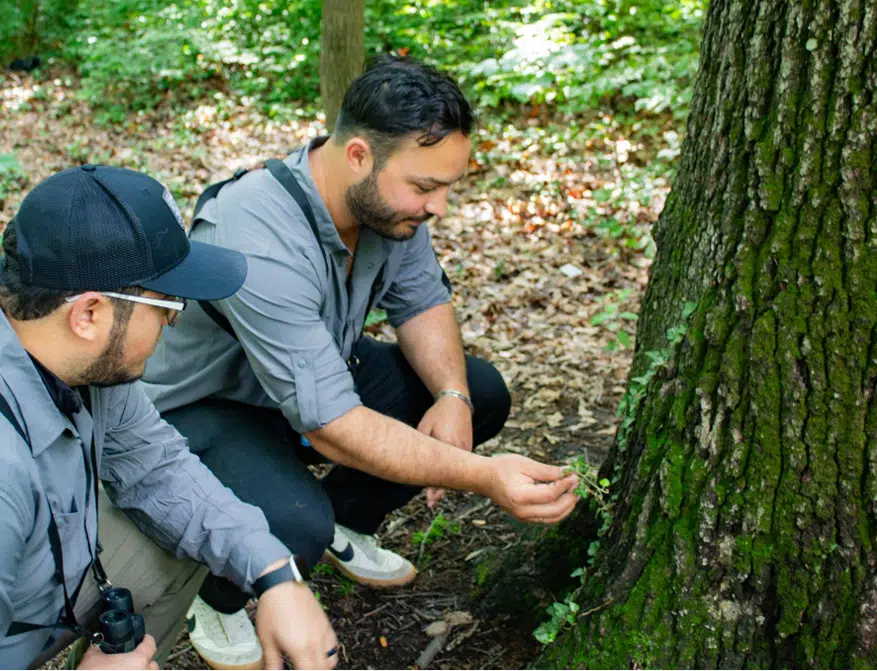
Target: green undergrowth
570, 54
598, 491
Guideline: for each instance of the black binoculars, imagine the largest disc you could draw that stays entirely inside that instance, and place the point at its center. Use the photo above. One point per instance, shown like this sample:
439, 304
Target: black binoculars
122, 628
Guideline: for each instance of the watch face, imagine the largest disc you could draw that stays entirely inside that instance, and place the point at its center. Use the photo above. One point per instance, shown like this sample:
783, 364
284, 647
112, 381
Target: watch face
302, 567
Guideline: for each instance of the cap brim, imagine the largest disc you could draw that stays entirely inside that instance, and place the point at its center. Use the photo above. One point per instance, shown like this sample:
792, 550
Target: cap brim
208, 273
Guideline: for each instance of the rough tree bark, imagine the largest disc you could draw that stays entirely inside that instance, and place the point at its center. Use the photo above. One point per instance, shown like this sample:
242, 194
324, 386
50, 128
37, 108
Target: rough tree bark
745, 469
342, 52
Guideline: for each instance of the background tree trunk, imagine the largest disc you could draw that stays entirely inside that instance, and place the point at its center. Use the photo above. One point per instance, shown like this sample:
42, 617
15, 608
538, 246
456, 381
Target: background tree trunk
342, 52
745, 469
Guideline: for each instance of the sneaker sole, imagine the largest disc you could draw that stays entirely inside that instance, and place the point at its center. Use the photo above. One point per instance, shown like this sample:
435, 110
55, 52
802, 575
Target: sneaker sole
227, 667
371, 582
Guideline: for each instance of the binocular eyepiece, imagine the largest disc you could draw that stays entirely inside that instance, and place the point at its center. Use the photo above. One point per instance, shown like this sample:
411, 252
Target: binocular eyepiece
122, 628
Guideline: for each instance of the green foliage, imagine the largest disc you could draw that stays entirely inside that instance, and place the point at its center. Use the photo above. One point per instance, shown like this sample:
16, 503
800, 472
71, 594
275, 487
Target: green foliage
614, 319
28, 27
440, 525
560, 615
12, 177
576, 54
376, 316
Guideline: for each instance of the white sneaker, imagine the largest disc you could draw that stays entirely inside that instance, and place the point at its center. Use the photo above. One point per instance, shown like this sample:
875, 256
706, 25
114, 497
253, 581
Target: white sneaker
223, 641
361, 559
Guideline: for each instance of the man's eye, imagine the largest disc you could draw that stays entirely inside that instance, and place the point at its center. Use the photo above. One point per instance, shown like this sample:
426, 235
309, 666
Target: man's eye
425, 189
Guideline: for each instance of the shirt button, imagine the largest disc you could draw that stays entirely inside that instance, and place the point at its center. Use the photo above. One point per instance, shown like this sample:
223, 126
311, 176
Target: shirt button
301, 363
371, 265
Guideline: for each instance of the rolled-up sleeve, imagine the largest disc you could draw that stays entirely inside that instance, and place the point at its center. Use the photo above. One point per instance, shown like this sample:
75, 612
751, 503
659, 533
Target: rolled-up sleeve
276, 317
418, 285
173, 498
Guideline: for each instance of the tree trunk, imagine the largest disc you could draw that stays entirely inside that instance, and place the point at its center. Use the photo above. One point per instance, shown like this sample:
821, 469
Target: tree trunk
342, 52
744, 473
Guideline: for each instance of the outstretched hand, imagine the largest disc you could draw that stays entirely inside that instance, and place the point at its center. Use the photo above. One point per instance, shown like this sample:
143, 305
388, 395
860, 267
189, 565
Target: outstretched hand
532, 491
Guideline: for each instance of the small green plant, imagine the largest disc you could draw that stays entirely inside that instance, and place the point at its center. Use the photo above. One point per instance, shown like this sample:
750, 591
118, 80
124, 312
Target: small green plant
323, 569
12, 176
346, 587
613, 318
590, 486
375, 317
440, 525
560, 614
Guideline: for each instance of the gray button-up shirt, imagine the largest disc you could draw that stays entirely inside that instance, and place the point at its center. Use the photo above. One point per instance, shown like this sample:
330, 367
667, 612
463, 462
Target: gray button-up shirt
147, 470
295, 317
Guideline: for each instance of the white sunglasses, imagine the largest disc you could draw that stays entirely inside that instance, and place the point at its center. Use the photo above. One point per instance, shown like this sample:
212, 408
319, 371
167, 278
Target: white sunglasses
175, 306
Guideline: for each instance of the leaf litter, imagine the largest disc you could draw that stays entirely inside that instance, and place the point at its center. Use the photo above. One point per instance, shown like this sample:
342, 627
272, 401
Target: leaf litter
534, 267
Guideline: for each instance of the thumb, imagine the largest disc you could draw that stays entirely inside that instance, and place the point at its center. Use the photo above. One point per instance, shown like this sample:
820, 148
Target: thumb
542, 472
147, 647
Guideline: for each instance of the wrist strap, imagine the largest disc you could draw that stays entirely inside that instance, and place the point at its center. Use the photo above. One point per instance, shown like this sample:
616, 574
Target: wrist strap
293, 571
457, 394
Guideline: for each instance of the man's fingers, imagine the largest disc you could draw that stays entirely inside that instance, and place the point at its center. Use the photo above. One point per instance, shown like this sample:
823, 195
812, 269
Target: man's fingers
153, 665
543, 472
434, 495
550, 513
147, 647
539, 493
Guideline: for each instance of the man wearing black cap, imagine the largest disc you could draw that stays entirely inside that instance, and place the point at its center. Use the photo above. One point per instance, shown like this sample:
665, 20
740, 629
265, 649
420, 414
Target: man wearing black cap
96, 263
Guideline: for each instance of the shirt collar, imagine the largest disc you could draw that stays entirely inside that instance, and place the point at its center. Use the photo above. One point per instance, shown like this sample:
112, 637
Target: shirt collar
300, 165
67, 400
41, 417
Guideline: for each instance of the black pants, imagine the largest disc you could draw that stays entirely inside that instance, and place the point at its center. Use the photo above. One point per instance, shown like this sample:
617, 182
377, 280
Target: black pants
255, 453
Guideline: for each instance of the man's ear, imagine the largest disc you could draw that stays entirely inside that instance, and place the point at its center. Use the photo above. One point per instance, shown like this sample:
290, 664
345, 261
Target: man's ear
359, 157
89, 314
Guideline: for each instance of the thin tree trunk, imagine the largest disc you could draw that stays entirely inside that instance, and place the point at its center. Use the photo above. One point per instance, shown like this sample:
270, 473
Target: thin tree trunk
745, 469
342, 52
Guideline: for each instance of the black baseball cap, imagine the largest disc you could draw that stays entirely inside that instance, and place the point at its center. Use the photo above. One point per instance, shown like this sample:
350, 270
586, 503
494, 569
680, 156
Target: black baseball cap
100, 228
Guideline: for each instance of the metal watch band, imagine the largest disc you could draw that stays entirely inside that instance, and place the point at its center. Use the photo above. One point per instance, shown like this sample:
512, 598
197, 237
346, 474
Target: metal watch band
457, 394
293, 571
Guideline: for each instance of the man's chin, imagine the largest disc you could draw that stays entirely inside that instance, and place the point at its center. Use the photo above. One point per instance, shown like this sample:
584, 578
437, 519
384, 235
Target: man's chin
116, 381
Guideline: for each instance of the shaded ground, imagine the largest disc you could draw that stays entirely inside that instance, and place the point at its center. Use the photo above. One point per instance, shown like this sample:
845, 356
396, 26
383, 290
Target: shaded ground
544, 283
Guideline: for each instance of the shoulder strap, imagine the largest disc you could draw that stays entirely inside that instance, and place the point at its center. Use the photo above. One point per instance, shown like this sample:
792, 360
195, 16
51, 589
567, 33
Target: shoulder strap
220, 319
213, 190
281, 172
68, 620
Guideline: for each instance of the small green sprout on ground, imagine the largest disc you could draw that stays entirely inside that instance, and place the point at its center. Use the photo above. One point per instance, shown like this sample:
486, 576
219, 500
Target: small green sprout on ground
439, 526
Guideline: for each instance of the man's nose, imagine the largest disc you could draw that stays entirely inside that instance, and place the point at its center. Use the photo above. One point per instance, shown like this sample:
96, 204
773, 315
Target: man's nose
438, 206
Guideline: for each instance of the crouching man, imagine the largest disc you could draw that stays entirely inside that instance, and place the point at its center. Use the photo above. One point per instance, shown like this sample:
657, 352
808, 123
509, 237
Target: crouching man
96, 263
280, 375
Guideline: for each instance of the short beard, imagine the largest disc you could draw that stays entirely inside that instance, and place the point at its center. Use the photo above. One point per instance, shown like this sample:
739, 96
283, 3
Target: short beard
109, 370
370, 210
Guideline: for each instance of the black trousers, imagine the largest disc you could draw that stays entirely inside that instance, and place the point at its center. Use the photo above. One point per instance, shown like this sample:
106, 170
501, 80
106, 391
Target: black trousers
255, 453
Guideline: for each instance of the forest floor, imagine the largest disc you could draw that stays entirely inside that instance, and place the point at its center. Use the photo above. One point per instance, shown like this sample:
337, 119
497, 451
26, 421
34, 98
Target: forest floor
547, 245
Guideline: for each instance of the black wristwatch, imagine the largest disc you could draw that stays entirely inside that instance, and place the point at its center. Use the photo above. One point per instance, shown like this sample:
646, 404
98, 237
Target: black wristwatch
295, 570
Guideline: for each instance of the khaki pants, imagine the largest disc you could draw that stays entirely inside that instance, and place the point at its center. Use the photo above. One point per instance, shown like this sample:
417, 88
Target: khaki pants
162, 587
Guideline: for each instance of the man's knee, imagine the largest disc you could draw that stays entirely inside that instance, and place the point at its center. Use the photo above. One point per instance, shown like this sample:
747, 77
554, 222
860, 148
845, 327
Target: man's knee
490, 396
307, 527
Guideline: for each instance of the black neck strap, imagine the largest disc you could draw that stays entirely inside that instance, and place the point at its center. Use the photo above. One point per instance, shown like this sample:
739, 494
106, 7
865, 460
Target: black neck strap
68, 619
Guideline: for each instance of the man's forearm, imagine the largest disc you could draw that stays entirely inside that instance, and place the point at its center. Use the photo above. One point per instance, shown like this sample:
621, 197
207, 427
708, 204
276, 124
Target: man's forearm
368, 441
432, 344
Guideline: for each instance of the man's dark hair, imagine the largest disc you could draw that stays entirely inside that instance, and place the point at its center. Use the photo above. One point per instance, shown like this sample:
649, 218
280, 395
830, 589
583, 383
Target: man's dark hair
396, 97
24, 301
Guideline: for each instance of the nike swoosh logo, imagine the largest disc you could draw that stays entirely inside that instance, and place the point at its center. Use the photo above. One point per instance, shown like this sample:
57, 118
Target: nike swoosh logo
345, 555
